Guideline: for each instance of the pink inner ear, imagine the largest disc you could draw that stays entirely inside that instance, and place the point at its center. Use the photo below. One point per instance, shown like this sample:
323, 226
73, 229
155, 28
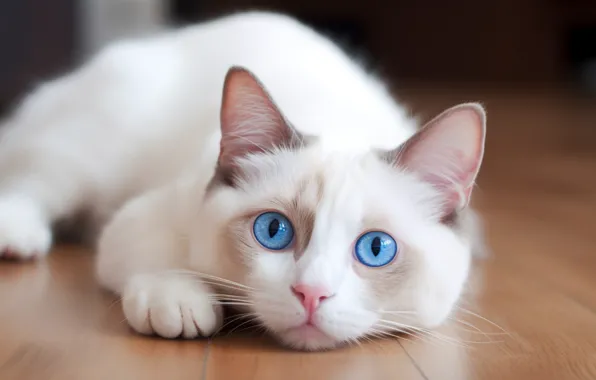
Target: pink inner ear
448, 152
250, 121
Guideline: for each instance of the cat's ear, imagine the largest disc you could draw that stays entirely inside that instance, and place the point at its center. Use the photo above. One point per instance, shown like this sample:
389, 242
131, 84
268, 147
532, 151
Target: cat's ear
447, 152
250, 120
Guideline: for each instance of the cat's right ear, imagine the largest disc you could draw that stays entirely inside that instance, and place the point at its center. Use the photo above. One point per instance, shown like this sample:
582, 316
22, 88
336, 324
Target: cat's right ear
447, 153
250, 121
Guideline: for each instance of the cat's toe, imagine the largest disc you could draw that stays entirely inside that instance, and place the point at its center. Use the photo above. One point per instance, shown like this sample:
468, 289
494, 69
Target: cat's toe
200, 318
137, 313
170, 307
166, 319
24, 242
23, 238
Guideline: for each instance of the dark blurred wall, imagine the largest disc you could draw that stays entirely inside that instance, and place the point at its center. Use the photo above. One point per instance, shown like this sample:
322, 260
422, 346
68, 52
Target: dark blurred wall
479, 41
37, 39
462, 40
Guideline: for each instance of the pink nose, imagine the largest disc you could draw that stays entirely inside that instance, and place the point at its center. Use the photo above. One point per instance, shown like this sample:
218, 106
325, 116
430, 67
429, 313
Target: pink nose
310, 296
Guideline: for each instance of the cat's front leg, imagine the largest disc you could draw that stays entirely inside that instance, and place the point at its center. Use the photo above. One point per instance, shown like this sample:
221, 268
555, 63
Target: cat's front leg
171, 306
142, 256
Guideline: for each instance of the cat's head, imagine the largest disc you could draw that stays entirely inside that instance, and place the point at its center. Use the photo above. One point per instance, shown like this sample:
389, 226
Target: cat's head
333, 245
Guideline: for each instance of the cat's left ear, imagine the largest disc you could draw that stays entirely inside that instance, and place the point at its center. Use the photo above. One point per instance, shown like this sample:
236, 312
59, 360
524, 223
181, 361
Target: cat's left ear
447, 152
250, 121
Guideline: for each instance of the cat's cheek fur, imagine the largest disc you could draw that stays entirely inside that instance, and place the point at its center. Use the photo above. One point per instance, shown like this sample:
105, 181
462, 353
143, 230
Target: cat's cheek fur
421, 288
440, 276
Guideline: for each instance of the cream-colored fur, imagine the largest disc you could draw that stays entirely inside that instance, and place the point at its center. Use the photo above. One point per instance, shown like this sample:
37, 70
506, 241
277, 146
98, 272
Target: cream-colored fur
133, 139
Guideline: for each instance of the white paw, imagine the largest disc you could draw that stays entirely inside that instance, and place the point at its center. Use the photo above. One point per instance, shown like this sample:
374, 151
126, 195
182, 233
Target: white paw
170, 306
24, 232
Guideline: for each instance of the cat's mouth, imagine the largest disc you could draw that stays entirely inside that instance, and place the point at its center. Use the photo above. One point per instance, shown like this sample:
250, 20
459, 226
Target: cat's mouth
307, 334
307, 329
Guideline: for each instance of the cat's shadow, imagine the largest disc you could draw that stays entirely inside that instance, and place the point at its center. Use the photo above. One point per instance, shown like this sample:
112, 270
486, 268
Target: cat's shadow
241, 335
245, 335
237, 334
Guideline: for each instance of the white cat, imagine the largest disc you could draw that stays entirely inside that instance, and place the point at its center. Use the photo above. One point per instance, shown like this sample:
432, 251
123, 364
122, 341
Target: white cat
334, 221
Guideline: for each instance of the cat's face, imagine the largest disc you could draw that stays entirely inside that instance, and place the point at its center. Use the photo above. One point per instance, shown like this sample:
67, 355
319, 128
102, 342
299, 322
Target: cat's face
334, 246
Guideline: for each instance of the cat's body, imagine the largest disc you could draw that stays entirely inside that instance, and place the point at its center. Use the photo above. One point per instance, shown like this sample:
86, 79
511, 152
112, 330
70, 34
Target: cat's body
136, 133
143, 111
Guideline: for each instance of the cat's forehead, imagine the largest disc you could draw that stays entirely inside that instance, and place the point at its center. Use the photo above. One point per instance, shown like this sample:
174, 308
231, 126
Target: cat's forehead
307, 173
357, 184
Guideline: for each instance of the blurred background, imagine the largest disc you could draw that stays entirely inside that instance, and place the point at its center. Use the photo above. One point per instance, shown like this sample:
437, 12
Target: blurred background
490, 42
532, 63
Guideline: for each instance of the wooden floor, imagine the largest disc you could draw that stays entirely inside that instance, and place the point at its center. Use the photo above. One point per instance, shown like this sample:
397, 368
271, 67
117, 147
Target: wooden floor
534, 317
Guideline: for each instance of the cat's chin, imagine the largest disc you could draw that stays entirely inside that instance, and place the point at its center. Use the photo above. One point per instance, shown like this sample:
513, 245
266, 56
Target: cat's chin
307, 338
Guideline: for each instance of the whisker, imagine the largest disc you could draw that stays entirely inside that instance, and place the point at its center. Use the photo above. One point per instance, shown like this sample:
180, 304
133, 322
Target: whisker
399, 330
355, 341
386, 334
229, 297
255, 327
484, 319
234, 319
477, 329
427, 333
234, 303
114, 302
375, 342
228, 286
407, 314
202, 275
252, 319
420, 336
452, 340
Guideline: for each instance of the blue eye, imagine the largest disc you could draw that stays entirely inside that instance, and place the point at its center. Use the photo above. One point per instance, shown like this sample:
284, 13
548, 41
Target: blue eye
273, 231
375, 249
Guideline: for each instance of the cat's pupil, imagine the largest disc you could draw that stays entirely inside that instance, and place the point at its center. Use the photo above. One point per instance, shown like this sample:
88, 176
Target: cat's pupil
376, 246
273, 228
